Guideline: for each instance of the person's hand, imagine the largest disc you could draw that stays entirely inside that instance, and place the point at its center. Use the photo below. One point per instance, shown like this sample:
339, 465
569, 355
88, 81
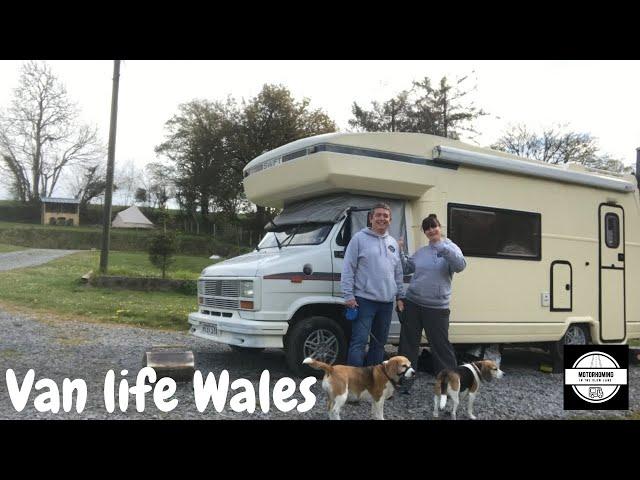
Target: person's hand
400, 305
401, 244
351, 303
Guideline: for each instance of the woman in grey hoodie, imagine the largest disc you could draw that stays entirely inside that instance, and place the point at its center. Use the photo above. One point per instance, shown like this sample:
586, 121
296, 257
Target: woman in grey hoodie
428, 295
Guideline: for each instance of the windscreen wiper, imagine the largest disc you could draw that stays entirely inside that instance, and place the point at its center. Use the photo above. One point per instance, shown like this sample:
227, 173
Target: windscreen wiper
291, 235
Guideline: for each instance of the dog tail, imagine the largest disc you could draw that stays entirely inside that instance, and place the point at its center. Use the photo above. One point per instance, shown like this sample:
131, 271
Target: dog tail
318, 365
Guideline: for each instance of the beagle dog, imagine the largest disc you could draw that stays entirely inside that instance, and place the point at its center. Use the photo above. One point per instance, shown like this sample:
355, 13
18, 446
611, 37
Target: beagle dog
377, 383
464, 379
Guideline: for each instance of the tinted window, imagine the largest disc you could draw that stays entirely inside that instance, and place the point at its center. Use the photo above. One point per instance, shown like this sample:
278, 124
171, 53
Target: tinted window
612, 230
492, 232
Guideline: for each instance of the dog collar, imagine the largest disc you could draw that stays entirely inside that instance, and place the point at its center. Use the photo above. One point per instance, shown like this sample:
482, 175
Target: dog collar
474, 370
384, 370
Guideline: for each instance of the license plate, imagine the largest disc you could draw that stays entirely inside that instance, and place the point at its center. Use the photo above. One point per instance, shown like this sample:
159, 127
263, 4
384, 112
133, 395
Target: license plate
210, 329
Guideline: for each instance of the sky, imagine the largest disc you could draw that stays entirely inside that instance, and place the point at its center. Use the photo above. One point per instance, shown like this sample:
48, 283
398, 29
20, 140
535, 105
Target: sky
597, 97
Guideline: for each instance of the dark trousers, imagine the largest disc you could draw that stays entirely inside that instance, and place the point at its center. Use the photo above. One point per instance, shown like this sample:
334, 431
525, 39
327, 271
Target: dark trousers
435, 322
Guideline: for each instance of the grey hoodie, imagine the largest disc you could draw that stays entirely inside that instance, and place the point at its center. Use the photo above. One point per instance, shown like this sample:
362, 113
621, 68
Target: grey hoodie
372, 268
434, 266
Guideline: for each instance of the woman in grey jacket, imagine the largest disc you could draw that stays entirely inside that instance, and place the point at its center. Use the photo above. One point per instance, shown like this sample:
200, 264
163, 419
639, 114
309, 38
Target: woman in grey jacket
427, 298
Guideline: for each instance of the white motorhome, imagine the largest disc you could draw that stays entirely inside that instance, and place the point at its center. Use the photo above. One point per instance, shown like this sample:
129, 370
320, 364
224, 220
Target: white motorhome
553, 252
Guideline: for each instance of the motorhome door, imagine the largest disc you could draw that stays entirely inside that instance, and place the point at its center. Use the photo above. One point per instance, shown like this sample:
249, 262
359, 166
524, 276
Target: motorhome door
612, 273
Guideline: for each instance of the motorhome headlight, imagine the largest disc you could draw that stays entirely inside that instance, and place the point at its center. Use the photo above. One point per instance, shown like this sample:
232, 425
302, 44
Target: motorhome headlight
246, 288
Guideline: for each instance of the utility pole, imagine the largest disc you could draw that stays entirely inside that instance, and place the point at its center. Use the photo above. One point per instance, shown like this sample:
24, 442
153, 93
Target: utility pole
106, 211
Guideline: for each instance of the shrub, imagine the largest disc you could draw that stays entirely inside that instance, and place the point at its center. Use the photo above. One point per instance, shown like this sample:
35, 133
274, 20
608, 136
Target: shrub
162, 248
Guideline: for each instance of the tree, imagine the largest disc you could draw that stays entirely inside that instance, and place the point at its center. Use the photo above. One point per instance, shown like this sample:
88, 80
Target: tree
198, 144
558, 145
159, 184
141, 195
423, 109
162, 248
394, 115
40, 136
88, 182
269, 120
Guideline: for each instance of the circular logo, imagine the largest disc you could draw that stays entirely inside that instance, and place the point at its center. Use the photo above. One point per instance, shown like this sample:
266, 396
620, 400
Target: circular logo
596, 380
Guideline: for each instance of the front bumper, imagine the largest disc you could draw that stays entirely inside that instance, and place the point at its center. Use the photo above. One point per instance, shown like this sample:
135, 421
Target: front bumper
234, 330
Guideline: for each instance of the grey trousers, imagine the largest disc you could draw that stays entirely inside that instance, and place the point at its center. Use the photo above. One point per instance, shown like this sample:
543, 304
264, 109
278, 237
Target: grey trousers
435, 322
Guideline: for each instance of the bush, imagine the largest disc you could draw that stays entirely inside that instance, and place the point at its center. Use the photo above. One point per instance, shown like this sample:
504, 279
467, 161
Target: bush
162, 248
11, 211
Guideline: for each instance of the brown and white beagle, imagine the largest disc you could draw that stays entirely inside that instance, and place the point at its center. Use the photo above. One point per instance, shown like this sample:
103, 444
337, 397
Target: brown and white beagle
464, 379
377, 383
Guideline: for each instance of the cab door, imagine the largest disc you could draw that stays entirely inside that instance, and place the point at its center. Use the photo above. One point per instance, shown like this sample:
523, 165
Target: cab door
612, 298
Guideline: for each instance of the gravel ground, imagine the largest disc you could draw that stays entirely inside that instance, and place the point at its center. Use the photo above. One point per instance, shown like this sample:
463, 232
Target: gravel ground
58, 349
30, 258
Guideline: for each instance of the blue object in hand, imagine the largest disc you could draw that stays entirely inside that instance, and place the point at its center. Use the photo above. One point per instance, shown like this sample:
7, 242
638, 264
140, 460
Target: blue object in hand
351, 313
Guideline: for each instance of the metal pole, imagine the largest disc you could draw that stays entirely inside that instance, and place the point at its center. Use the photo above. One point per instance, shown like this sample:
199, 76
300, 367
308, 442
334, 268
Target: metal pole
106, 229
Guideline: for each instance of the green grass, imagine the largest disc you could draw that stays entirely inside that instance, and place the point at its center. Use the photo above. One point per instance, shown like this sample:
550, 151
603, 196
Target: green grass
131, 264
4, 248
55, 287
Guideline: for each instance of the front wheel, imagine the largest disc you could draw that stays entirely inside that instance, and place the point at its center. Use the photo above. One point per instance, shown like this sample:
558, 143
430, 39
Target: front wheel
321, 338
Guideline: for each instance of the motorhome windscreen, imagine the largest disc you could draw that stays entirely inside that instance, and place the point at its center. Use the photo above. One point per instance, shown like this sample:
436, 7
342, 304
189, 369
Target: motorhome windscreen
496, 233
301, 234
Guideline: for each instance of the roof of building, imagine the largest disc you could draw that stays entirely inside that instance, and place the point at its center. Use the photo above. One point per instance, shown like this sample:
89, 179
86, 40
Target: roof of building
59, 200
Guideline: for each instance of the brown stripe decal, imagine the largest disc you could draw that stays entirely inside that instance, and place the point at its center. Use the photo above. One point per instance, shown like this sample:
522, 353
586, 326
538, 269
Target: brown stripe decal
323, 276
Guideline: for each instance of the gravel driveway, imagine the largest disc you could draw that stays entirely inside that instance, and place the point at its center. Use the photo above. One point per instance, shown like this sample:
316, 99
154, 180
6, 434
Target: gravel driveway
30, 258
58, 349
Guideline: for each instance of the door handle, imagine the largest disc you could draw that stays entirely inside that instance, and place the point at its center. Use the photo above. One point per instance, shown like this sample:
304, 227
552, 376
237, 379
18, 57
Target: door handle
338, 253
567, 287
621, 257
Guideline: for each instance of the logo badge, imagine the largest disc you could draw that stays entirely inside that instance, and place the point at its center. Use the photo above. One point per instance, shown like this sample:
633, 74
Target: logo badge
596, 377
392, 248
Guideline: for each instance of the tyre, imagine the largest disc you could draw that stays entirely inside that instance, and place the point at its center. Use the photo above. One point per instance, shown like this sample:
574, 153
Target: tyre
576, 334
319, 337
249, 350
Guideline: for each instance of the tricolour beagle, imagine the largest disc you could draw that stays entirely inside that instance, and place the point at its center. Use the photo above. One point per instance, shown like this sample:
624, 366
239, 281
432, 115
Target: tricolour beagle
464, 379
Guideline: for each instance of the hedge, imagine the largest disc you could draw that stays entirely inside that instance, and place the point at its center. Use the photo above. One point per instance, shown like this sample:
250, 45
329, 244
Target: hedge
80, 238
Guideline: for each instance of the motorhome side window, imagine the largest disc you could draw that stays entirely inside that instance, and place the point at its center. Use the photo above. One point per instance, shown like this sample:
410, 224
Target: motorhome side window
612, 229
494, 232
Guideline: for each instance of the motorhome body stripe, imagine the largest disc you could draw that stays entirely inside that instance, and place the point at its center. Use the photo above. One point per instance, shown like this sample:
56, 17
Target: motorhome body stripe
347, 150
323, 276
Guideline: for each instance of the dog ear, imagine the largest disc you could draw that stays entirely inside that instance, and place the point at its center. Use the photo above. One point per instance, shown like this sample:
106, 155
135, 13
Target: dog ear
485, 371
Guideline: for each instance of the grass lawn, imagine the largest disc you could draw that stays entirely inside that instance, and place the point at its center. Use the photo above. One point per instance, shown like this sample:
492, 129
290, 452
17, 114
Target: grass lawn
4, 248
55, 287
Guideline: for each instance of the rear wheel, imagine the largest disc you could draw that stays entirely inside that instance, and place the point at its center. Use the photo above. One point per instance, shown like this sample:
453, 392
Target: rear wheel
576, 334
321, 338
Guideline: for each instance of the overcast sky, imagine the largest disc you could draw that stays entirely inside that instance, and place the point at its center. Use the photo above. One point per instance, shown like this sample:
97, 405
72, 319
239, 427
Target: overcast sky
598, 97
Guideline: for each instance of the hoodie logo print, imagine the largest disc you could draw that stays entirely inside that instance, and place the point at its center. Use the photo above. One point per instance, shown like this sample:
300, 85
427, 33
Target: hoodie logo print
392, 248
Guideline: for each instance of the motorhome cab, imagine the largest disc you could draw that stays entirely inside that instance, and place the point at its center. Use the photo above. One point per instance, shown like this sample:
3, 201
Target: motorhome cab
553, 252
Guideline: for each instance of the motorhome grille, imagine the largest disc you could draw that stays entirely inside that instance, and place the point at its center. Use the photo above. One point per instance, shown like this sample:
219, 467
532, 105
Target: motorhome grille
221, 288
228, 303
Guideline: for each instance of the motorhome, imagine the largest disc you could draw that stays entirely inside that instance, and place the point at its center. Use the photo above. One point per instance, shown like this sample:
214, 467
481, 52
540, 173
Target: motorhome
553, 251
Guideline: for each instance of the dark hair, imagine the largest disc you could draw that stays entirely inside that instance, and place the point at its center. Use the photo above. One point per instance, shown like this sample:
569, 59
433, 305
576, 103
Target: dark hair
380, 205
430, 222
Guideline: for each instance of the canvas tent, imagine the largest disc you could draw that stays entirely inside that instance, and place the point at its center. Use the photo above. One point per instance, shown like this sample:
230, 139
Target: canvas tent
132, 217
